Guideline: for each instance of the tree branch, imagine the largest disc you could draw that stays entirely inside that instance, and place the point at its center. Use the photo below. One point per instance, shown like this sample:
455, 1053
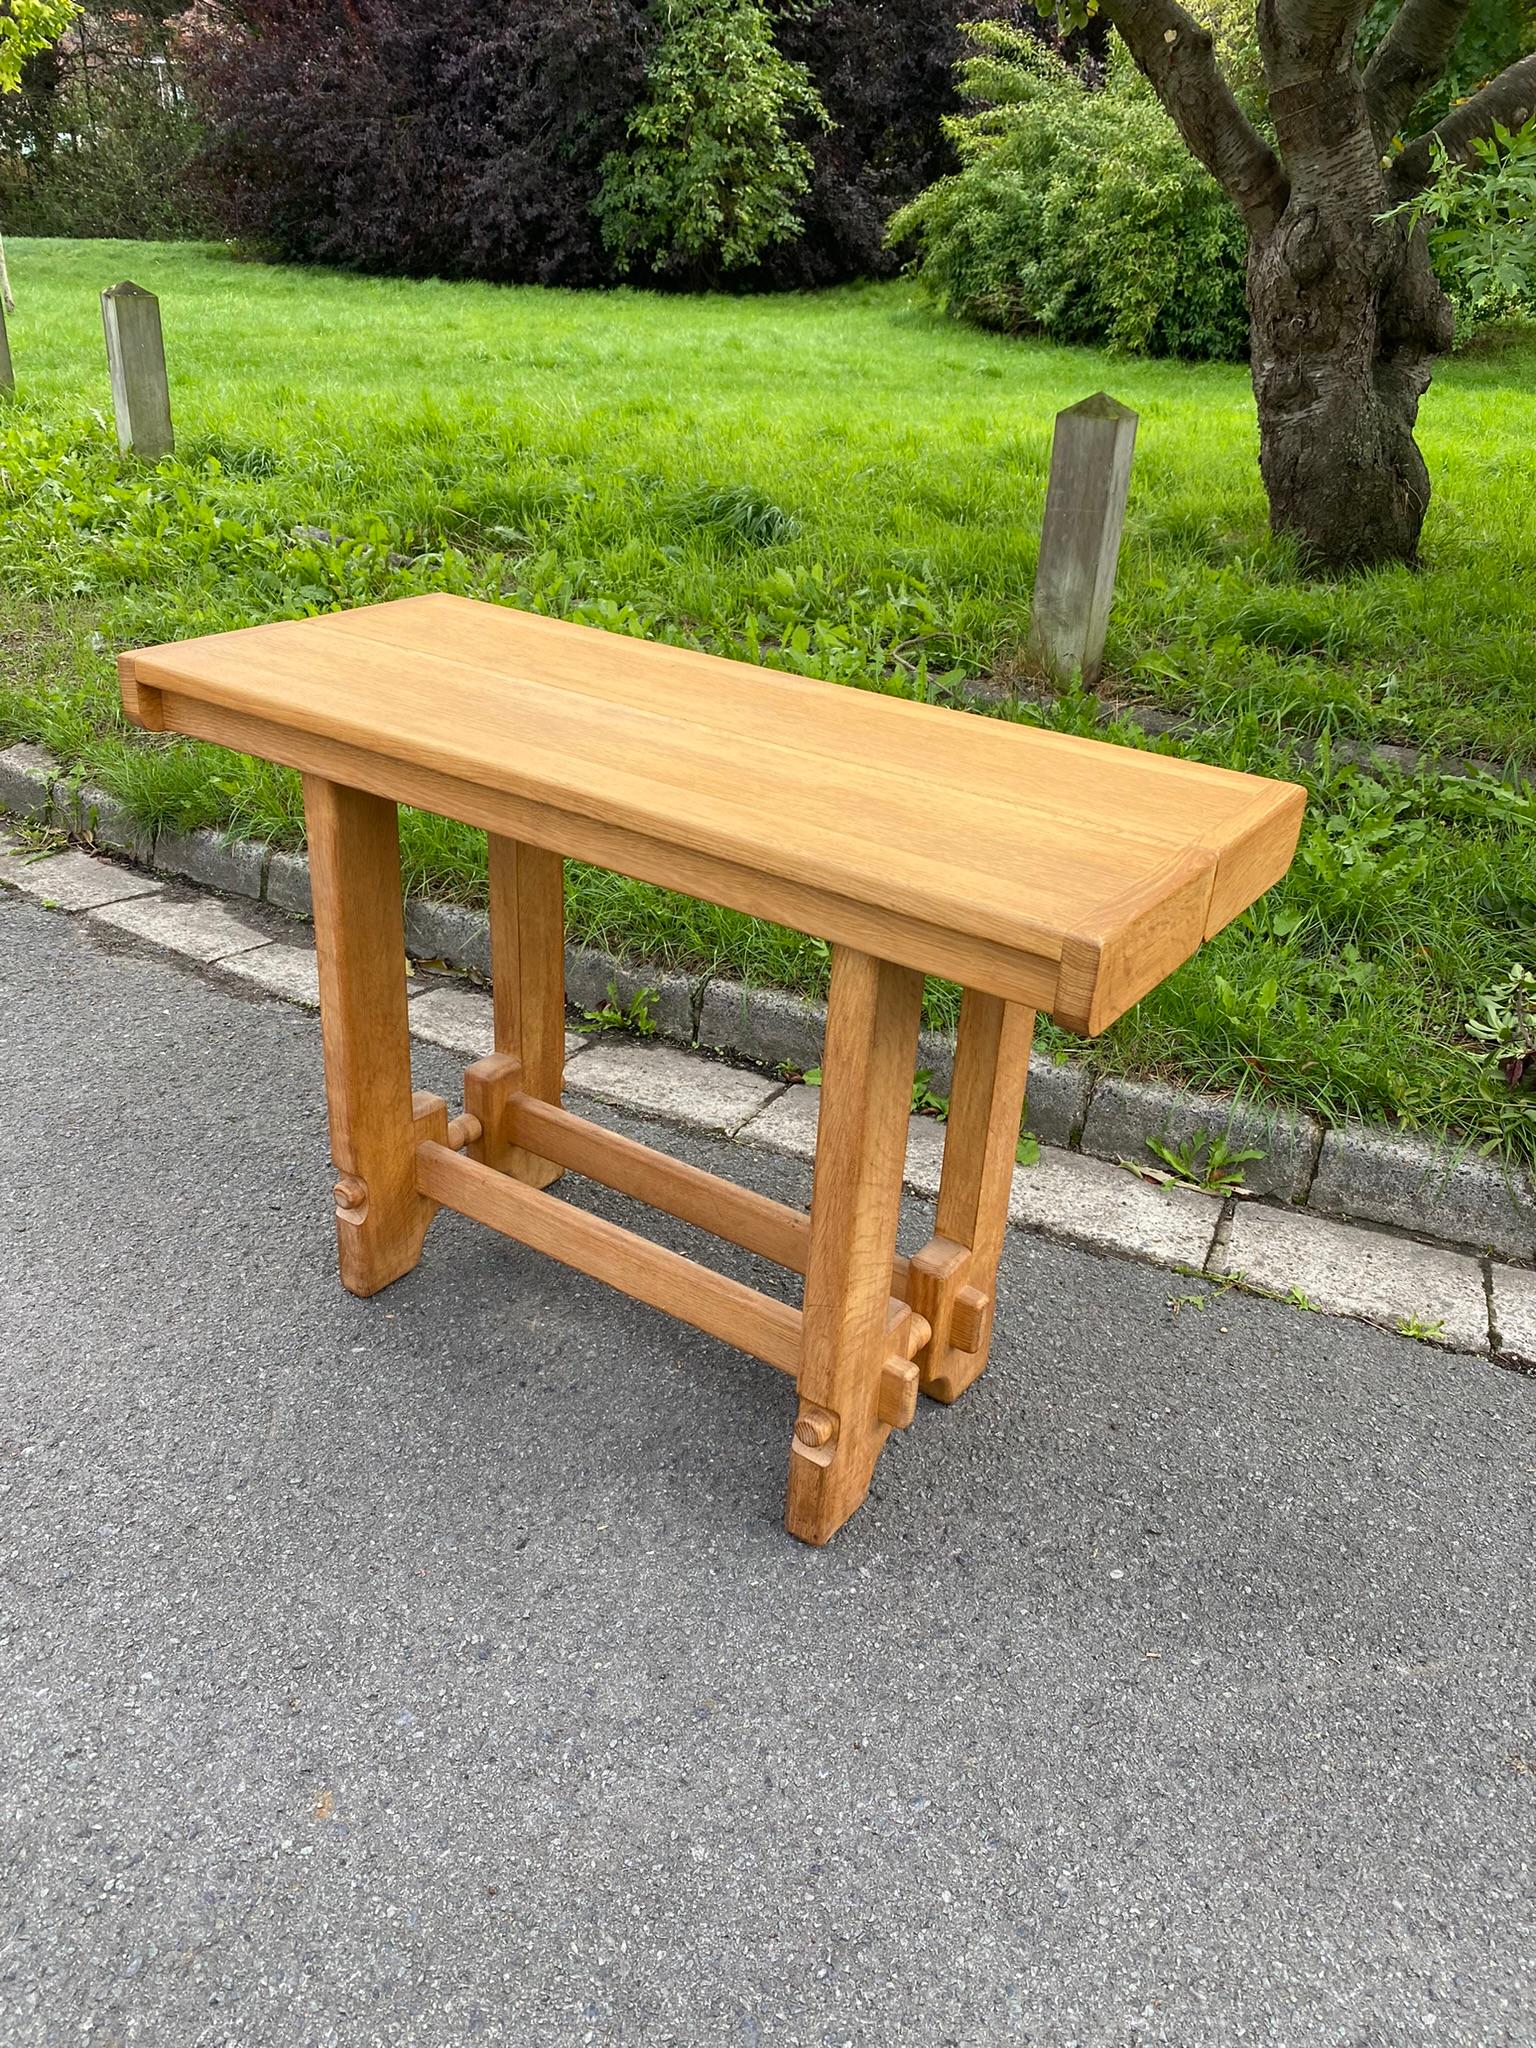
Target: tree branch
1408, 60
1303, 41
1178, 59
1508, 101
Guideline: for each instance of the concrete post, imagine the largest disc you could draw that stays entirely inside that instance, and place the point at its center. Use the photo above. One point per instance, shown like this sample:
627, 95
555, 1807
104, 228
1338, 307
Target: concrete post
1080, 540
141, 397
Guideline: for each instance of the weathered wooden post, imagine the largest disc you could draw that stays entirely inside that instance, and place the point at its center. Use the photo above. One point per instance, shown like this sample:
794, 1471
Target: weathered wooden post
7, 373
141, 395
1080, 540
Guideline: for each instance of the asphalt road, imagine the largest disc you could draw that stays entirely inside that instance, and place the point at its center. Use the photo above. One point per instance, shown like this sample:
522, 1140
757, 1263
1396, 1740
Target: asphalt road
436, 1670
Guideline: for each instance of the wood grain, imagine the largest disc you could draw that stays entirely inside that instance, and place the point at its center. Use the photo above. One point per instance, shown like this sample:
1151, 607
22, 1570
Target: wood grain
739, 1215
647, 1272
354, 854
981, 1141
527, 921
701, 772
861, 1143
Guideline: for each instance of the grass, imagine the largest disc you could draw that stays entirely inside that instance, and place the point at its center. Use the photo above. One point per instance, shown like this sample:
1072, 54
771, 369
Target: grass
841, 484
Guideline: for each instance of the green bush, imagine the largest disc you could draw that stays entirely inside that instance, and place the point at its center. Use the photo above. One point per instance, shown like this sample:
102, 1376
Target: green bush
117, 162
1077, 212
1481, 222
713, 171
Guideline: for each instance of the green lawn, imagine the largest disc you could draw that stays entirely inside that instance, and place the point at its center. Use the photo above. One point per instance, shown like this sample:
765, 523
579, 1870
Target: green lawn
842, 484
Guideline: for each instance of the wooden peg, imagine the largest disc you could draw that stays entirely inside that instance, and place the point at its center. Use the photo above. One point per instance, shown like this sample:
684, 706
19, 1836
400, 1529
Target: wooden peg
970, 1324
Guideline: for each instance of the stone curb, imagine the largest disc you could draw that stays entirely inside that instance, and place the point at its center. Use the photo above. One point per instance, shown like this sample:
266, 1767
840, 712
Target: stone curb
1355, 1172
1374, 756
1426, 1291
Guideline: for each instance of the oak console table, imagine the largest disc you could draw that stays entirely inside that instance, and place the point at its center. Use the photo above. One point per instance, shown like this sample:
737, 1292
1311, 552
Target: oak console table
1038, 871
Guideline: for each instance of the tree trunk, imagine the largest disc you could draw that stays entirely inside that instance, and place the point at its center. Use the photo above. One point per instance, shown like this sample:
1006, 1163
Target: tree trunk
1346, 322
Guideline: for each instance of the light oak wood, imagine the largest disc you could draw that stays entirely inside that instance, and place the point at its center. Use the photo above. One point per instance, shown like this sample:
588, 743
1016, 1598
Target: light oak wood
1060, 872
647, 1272
861, 1142
739, 1215
1042, 873
527, 917
709, 1301
986, 1105
866, 926
354, 861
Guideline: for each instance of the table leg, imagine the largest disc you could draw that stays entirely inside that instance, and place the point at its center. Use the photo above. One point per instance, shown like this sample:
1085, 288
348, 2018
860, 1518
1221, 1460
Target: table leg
354, 862
954, 1277
528, 970
871, 1048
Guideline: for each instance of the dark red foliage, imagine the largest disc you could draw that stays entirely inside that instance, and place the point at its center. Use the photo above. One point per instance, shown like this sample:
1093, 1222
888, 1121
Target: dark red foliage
456, 138
885, 72
465, 138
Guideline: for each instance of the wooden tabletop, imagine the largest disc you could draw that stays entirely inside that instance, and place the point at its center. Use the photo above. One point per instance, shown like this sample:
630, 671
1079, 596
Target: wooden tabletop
1068, 873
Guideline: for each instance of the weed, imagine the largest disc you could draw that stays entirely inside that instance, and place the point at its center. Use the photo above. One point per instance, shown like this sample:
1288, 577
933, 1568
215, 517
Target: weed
1429, 1333
634, 1016
1210, 1165
34, 840
924, 1101
1507, 1028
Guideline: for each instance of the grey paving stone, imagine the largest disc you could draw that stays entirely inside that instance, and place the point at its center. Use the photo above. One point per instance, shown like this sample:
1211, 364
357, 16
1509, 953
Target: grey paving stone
764, 1024
590, 973
661, 1080
26, 778
281, 970
87, 812
1386, 1177
233, 865
463, 1020
1091, 1202
447, 931
925, 1154
287, 883
460, 1019
1514, 1313
1350, 1271
787, 1123
73, 881
1124, 1114
201, 928
936, 1058
1057, 1100
778, 1029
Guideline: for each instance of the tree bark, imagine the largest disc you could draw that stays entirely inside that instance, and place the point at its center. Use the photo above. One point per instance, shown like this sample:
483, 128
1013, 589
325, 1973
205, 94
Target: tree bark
1346, 321
1345, 313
